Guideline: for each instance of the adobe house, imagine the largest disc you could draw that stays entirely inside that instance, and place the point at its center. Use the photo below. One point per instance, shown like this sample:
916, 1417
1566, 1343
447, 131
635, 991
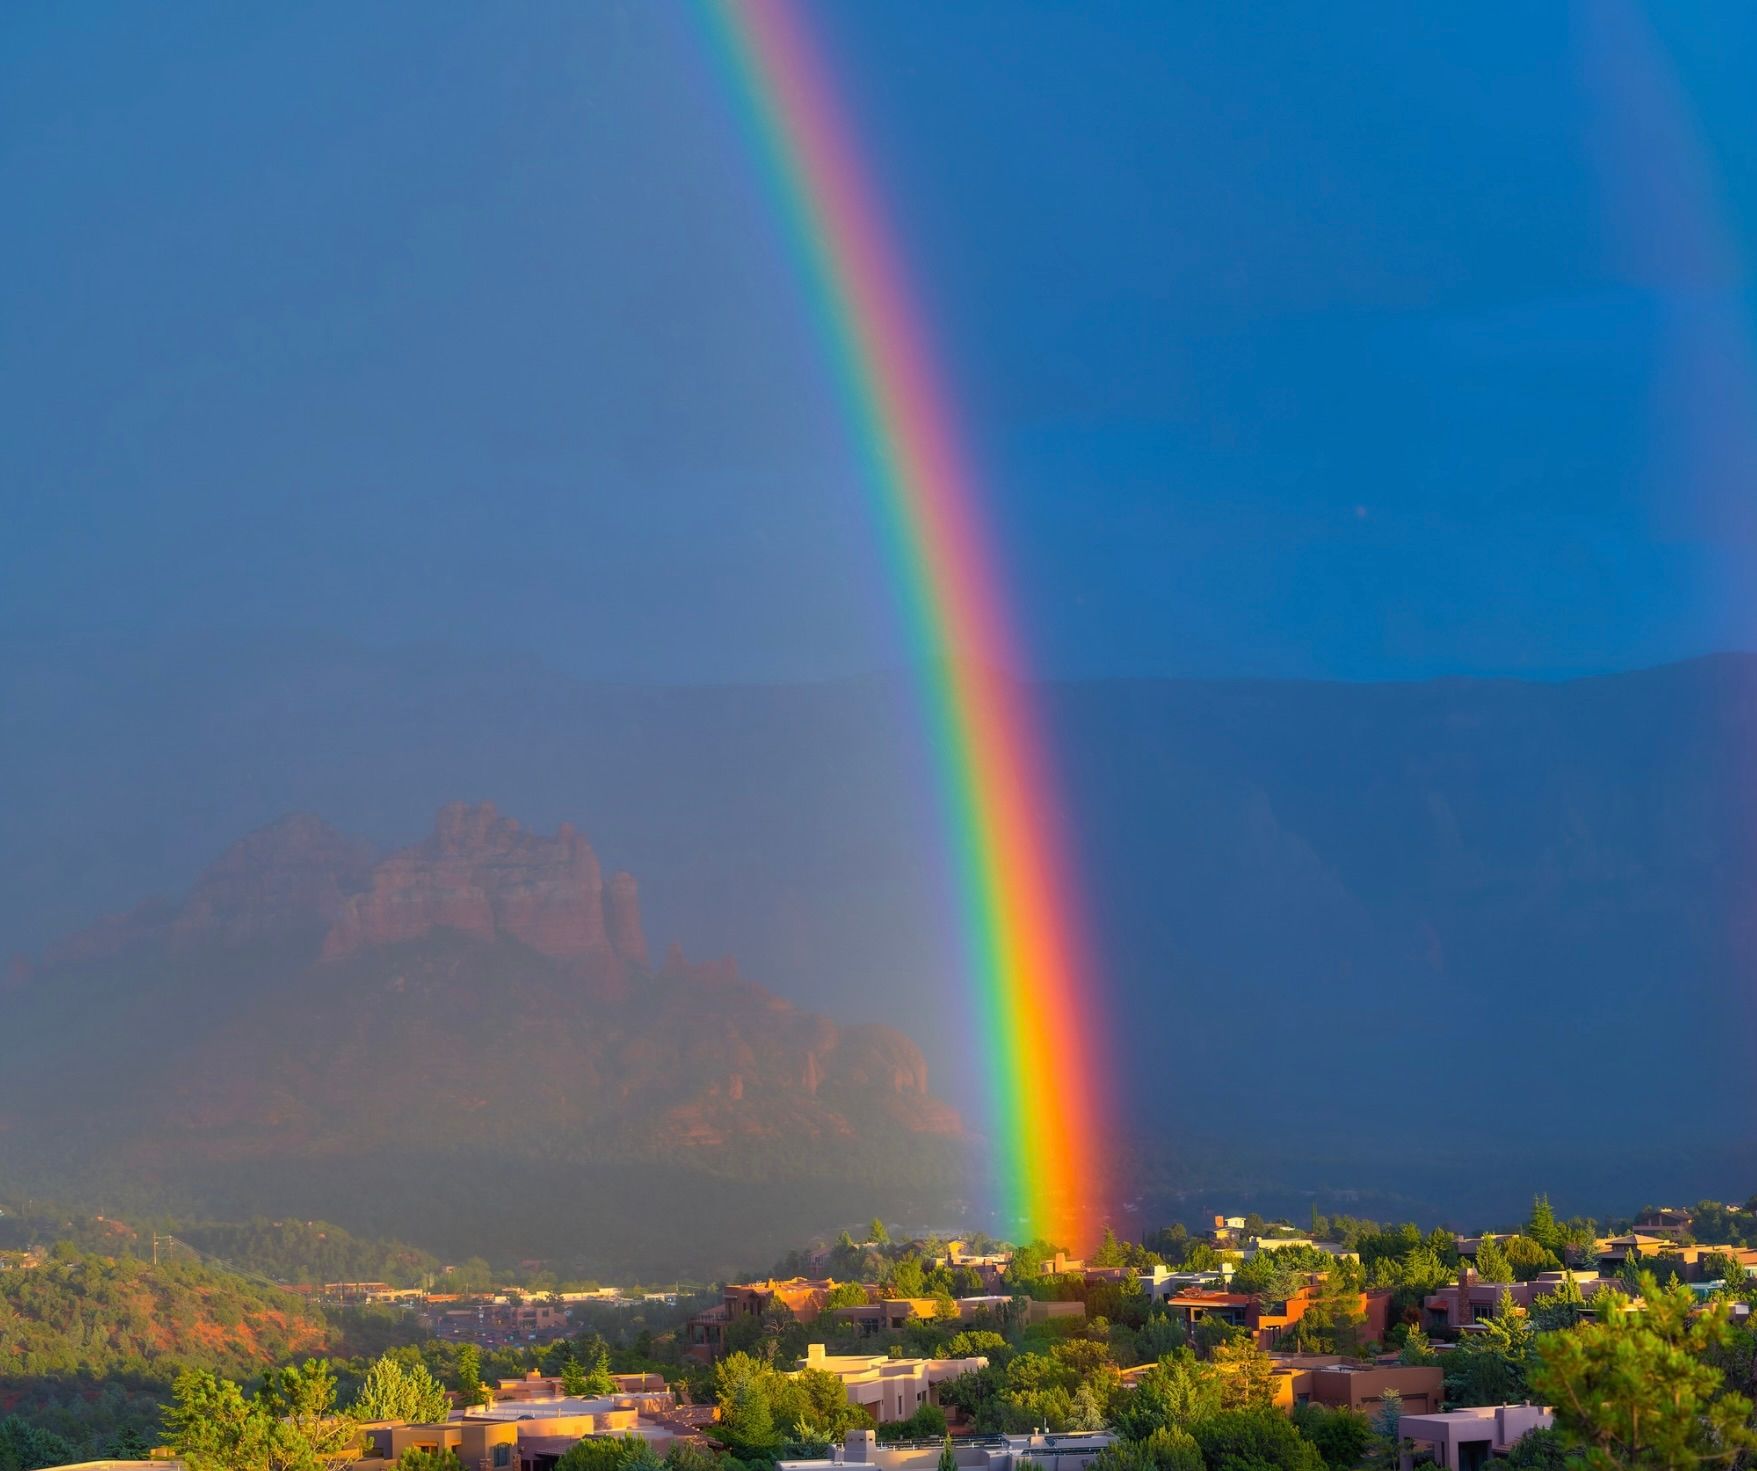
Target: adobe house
1463, 1440
860, 1451
889, 1389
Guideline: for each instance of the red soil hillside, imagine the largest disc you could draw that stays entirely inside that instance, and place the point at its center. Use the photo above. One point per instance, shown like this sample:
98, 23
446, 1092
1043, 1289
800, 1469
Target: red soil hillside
106, 1315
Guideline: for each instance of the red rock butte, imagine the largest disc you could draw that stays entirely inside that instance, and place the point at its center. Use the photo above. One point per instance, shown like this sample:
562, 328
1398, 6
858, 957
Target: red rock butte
478, 872
485, 875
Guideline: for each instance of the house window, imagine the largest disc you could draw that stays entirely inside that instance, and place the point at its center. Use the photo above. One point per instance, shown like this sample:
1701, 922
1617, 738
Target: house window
502, 1455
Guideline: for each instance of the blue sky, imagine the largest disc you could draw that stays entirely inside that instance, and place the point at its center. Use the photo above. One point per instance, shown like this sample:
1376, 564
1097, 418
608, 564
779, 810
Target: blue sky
1356, 343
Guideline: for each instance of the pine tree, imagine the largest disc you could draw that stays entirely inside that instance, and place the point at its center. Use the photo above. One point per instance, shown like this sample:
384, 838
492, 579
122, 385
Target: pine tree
392, 1390
1416, 1348
599, 1381
1644, 1390
1491, 1262
1543, 1227
471, 1389
1388, 1425
573, 1379
948, 1457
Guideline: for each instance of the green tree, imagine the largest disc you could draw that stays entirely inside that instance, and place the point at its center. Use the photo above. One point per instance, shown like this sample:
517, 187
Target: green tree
608, 1453
309, 1433
1635, 1389
1091, 1401
1247, 1375
1176, 1392
1163, 1450
1527, 1257
1543, 1227
1200, 1256
25, 1447
948, 1460
877, 1233
1253, 1440
213, 1427
927, 1423
845, 1295
976, 1342
1388, 1427
599, 1380
907, 1278
1491, 1262
1331, 1322
1160, 1335
1723, 1266
690, 1455
1417, 1351
573, 1379
1542, 1450
397, 1390
1342, 1436
1110, 1251
1211, 1332
1490, 1367
471, 1390
1269, 1276
291, 1424
1563, 1308
415, 1458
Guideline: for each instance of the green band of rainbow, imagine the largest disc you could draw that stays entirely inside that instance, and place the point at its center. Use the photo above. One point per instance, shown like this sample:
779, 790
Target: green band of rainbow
1017, 903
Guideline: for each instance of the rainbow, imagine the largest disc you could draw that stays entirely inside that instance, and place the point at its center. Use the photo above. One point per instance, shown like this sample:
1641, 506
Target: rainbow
1022, 941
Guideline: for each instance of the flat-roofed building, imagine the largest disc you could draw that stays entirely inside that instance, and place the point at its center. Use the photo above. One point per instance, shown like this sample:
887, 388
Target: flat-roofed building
803, 1297
860, 1451
1463, 1440
889, 1389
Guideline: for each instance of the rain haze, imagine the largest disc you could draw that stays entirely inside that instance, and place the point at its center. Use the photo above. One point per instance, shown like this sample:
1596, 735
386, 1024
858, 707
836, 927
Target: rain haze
408, 409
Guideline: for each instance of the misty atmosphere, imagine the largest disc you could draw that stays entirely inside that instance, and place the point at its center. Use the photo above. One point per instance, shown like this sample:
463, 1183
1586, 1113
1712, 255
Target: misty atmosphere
750, 735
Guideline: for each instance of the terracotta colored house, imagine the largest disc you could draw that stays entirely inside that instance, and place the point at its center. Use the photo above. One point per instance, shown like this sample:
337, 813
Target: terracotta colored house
1471, 1300
1363, 1386
1664, 1221
1269, 1323
802, 1296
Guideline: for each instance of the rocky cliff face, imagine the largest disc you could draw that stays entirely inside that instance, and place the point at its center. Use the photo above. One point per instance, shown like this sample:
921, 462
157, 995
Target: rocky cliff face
478, 873
291, 878
482, 874
311, 1000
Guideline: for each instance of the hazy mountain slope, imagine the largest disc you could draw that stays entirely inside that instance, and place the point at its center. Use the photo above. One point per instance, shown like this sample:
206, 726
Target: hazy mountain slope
1378, 935
309, 1030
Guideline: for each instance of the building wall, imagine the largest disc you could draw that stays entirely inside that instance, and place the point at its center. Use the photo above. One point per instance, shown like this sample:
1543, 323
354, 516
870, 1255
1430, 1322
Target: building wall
1423, 1387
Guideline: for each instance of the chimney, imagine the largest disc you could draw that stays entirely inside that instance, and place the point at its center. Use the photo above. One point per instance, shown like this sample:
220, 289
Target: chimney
857, 1448
814, 1353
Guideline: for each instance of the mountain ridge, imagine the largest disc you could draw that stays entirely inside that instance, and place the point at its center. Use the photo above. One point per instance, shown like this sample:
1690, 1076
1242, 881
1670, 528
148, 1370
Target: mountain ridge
1411, 880
313, 1000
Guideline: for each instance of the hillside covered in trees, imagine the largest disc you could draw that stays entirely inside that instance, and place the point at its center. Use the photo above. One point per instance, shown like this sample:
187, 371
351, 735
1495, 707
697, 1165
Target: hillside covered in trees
89, 1344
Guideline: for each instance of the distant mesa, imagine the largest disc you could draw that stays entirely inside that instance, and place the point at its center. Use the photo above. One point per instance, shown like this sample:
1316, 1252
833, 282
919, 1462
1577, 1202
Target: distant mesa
313, 1006
483, 874
478, 873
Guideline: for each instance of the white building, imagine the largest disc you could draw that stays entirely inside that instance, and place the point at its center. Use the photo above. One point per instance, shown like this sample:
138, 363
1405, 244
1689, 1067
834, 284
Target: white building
862, 1452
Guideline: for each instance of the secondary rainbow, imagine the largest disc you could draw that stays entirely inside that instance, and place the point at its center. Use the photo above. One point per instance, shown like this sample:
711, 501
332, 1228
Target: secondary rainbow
1018, 903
